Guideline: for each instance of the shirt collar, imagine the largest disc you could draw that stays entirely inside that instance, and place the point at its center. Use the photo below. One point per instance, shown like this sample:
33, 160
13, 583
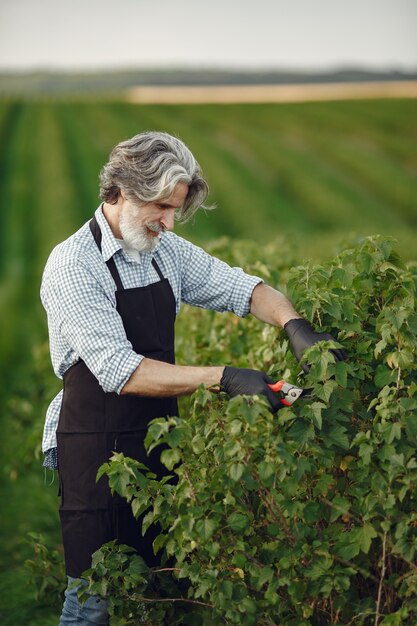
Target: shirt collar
109, 244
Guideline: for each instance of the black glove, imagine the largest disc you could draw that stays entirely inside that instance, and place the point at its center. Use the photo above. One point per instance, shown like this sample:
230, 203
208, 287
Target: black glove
238, 381
302, 336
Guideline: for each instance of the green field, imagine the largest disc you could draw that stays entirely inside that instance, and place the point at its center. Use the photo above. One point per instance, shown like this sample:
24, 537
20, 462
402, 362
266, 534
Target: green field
317, 174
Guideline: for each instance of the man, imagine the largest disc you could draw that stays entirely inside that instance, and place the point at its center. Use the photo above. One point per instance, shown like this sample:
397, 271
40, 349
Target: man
111, 292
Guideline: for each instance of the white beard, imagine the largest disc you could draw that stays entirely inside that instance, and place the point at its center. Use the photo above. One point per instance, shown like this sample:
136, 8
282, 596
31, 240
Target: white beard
137, 237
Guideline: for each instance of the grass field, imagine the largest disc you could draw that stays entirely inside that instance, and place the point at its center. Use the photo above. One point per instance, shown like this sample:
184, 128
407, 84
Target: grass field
317, 173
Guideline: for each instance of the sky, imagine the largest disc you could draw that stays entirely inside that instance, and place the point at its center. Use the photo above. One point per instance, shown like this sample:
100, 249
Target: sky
231, 34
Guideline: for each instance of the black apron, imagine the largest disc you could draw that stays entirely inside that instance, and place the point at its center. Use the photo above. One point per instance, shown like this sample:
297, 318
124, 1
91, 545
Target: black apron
93, 424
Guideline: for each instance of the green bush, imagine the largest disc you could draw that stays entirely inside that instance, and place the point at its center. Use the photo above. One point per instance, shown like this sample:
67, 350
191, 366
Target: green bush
306, 517
46, 572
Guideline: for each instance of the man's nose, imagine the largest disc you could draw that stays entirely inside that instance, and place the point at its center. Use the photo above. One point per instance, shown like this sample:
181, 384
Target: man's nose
167, 219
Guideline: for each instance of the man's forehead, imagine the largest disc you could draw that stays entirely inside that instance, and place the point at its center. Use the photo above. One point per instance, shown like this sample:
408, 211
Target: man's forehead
177, 198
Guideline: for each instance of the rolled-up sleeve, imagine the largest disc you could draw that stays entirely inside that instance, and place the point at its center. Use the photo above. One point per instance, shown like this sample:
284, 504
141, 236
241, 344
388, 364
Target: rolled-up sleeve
84, 320
210, 283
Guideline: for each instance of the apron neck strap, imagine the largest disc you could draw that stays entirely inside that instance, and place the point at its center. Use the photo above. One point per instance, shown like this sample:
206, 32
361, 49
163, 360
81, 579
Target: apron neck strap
158, 271
96, 232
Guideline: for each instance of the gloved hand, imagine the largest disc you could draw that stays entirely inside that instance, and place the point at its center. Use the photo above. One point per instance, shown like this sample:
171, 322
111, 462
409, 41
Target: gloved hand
302, 336
238, 381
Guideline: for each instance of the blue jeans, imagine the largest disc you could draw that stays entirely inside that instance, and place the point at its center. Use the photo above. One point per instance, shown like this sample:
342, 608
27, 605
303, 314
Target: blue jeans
93, 611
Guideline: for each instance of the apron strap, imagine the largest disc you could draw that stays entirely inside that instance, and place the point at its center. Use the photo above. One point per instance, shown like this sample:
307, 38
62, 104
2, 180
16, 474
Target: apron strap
158, 271
96, 232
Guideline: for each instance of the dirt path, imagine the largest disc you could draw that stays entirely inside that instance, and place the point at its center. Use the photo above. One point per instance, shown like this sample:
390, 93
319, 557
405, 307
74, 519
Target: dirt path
270, 93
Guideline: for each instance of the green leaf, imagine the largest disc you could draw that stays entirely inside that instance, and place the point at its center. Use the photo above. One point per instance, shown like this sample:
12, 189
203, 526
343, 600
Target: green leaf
98, 557
397, 618
341, 370
102, 470
139, 506
365, 536
102, 589
246, 408
408, 404
174, 437
235, 427
205, 528
119, 478
323, 485
317, 408
312, 512
325, 390
202, 396
247, 605
147, 521
198, 444
265, 575
343, 276
383, 376
411, 427
348, 545
137, 565
170, 458
226, 589
236, 471
238, 521
412, 323
391, 431
301, 432
358, 539
336, 435
365, 452
266, 469
340, 506
231, 448
157, 429
159, 542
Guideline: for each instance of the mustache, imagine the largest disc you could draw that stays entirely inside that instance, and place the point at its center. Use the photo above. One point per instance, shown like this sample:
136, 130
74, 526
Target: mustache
155, 227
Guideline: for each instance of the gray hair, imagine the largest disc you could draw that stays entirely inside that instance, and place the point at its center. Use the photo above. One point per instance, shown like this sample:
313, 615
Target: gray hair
148, 167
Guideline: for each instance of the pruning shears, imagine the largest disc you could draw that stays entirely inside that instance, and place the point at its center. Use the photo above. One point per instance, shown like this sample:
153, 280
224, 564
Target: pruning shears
288, 393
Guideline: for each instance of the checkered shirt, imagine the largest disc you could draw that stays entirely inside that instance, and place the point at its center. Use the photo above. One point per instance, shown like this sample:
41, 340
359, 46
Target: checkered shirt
78, 293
